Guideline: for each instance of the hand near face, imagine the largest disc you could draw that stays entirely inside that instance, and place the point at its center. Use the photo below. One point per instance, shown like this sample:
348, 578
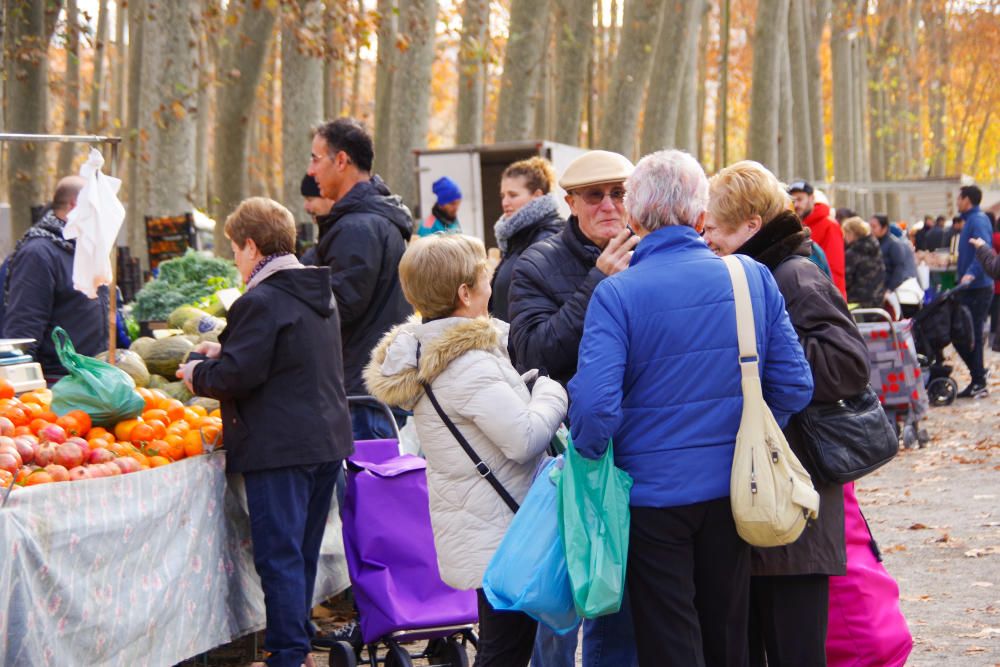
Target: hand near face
618, 253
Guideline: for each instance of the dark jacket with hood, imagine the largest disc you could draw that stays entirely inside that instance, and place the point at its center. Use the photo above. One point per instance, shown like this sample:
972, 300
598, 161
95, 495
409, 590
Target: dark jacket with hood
864, 271
900, 262
535, 221
282, 392
39, 296
838, 358
550, 289
362, 240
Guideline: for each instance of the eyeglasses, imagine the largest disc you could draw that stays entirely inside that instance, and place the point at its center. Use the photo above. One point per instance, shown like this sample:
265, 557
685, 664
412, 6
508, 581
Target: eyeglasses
313, 158
595, 196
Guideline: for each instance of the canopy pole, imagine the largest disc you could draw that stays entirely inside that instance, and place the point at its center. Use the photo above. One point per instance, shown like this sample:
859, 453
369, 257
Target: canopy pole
113, 287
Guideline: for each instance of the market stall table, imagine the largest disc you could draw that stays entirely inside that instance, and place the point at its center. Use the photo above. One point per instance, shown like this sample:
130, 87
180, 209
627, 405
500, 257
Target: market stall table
149, 568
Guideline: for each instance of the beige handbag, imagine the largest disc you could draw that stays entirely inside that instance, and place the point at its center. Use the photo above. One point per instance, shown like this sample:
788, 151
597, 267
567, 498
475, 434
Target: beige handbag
771, 493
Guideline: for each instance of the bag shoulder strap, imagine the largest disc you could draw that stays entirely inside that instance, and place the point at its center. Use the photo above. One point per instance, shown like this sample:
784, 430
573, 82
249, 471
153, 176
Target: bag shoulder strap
744, 316
481, 467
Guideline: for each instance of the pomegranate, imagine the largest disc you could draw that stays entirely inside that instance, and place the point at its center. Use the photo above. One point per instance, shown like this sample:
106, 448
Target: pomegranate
25, 445
80, 442
53, 433
45, 452
78, 473
57, 472
6, 426
127, 464
101, 455
10, 460
112, 469
69, 455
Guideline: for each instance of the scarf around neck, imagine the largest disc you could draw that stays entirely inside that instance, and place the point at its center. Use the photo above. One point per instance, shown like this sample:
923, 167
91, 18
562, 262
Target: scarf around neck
535, 211
270, 265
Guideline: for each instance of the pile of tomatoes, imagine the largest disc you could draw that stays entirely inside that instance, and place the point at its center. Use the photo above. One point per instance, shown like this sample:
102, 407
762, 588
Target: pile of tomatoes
39, 447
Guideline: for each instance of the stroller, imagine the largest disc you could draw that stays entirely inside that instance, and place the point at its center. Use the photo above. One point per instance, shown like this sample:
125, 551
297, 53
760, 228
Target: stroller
895, 372
393, 565
941, 322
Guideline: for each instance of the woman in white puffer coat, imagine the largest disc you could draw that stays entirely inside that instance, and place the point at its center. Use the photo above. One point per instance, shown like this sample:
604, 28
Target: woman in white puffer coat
462, 354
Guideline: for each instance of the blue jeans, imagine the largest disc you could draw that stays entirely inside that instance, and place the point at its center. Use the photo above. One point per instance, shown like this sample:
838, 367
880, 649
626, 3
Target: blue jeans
608, 641
371, 423
288, 511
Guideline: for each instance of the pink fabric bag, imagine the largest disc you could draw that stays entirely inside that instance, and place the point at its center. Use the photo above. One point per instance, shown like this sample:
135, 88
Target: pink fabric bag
866, 626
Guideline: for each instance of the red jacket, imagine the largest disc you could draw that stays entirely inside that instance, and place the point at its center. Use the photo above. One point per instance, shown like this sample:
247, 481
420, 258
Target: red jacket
828, 235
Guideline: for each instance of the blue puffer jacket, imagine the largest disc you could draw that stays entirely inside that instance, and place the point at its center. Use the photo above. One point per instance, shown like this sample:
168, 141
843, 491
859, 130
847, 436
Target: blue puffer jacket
659, 370
977, 225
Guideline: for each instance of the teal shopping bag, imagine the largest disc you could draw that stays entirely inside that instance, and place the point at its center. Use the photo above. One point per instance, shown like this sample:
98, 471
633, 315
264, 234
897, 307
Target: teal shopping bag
104, 392
594, 520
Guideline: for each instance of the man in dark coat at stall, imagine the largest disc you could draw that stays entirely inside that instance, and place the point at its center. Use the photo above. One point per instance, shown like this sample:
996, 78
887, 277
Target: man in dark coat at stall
39, 294
362, 240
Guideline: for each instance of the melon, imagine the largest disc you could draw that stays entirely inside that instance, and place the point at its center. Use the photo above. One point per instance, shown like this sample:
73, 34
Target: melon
164, 356
131, 363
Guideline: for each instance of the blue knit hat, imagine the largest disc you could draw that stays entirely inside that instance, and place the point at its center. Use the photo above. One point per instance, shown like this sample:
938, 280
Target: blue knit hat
446, 191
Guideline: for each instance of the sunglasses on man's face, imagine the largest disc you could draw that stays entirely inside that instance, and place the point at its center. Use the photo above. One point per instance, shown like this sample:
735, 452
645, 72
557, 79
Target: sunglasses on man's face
595, 196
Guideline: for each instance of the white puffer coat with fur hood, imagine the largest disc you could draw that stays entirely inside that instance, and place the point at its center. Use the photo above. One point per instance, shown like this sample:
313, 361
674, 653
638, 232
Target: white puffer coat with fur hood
465, 361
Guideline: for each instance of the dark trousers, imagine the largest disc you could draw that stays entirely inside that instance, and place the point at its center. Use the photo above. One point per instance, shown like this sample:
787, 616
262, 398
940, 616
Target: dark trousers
689, 583
288, 511
505, 637
978, 302
788, 619
371, 423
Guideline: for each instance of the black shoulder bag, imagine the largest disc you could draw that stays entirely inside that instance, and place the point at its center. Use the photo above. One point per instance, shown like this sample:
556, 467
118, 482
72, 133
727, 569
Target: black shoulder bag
846, 440
481, 467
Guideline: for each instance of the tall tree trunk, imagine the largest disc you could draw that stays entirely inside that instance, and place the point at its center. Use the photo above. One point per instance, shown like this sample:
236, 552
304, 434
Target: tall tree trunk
702, 74
861, 80
119, 67
804, 165
686, 133
135, 225
915, 98
675, 48
765, 92
521, 65
936, 27
815, 22
94, 120
71, 94
357, 67
411, 88
574, 36
242, 62
844, 17
722, 106
786, 120
26, 37
301, 94
623, 102
206, 74
384, 82
541, 126
472, 57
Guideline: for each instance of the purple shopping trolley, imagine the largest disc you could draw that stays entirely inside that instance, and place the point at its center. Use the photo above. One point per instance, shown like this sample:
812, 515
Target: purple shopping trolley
393, 564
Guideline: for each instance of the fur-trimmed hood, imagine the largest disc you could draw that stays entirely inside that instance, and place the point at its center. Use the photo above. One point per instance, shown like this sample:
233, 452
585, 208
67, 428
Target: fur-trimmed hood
777, 240
395, 374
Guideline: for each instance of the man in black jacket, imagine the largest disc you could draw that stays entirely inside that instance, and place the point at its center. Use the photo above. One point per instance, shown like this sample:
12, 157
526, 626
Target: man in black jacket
361, 240
39, 294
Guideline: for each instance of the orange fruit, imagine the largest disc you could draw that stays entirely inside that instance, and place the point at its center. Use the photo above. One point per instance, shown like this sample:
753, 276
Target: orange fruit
17, 415
147, 396
211, 433
178, 428
31, 397
193, 446
157, 461
140, 457
123, 429
82, 419
22, 430
142, 433
216, 413
173, 447
156, 413
33, 410
6, 389
99, 432
37, 425
39, 476
199, 409
70, 425
49, 416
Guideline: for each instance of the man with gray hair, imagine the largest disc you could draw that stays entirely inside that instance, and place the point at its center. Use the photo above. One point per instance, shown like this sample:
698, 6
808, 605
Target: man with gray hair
39, 295
659, 375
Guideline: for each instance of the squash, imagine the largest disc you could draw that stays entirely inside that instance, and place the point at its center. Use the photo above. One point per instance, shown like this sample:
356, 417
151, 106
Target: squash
131, 363
177, 390
158, 382
205, 402
204, 324
164, 356
182, 314
141, 345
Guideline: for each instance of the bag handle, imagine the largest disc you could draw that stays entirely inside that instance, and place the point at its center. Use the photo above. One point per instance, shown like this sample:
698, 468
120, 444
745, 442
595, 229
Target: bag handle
481, 467
744, 317
68, 356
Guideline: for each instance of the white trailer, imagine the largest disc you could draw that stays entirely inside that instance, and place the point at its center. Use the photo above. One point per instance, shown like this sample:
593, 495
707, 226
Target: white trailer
477, 170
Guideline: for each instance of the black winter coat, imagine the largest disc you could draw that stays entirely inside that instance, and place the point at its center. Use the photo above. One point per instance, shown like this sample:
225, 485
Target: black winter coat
41, 297
362, 240
838, 358
988, 257
549, 292
542, 229
282, 391
864, 272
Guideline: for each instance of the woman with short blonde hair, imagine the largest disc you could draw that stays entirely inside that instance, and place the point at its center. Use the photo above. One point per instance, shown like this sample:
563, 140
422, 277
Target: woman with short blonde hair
459, 354
864, 269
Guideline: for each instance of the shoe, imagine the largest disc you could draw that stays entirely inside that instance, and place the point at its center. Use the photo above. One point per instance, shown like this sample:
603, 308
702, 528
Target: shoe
350, 632
974, 391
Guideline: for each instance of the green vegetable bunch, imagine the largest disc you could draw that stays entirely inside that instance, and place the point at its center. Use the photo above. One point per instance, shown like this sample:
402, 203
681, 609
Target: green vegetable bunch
182, 281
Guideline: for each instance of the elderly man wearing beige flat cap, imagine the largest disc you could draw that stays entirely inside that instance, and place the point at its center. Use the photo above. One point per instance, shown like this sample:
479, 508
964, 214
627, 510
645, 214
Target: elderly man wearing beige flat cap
549, 292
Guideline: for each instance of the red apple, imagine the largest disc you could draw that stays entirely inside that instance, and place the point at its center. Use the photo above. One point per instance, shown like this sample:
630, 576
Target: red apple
101, 455
45, 453
6, 426
53, 433
78, 473
58, 472
10, 460
25, 445
69, 455
127, 464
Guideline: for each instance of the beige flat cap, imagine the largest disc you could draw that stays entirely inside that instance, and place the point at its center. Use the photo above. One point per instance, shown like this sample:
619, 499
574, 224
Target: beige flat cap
594, 168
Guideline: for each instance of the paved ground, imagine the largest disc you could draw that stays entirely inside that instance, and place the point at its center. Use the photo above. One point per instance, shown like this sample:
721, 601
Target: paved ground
936, 514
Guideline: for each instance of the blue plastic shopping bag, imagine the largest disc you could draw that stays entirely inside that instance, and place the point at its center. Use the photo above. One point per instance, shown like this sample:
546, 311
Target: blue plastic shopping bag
528, 571
594, 518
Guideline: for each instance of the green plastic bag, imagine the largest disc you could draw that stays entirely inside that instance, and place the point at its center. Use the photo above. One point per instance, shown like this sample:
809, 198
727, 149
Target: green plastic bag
104, 392
594, 520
